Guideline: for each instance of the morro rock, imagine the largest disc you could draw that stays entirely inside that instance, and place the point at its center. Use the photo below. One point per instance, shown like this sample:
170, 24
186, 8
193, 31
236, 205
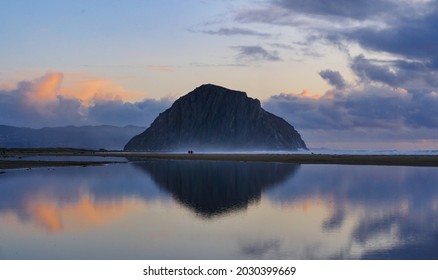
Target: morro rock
213, 118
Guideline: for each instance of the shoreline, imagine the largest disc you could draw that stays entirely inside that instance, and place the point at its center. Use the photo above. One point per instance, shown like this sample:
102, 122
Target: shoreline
394, 160
349, 159
29, 164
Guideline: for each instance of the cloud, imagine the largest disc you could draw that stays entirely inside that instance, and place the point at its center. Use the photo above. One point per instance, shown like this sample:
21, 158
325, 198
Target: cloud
45, 88
362, 107
412, 44
358, 9
121, 113
412, 75
270, 15
326, 15
315, 15
368, 71
45, 102
89, 90
235, 32
255, 53
404, 32
392, 49
413, 36
403, 28
362, 113
334, 78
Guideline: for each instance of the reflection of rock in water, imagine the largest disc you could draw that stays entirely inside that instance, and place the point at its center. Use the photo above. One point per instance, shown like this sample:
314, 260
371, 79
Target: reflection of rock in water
210, 187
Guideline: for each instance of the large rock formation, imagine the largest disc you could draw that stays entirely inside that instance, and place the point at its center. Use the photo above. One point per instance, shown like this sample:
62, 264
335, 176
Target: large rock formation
213, 118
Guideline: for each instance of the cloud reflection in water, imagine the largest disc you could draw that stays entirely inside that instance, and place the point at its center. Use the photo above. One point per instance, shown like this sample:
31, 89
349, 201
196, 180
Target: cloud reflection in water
226, 210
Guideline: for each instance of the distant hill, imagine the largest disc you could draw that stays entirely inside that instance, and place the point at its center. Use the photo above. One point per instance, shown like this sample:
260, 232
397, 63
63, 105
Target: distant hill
215, 118
82, 137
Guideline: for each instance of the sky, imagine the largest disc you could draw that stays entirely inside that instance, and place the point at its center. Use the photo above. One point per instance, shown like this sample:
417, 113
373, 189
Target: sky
346, 74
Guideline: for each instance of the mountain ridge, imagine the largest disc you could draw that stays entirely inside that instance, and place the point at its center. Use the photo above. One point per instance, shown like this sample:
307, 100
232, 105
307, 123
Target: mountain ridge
81, 137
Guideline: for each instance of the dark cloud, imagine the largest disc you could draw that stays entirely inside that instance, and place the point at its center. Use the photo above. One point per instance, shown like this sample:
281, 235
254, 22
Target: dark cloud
12, 108
365, 107
300, 49
270, 15
413, 76
363, 114
236, 32
366, 70
410, 43
256, 53
334, 78
358, 9
402, 30
311, 13
21, 107
413, 40
413, 37
307, 113
120, 113
395, 88
406, 28
290, 47
65, 110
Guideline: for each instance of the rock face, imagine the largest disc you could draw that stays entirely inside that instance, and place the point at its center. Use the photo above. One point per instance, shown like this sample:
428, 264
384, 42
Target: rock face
213, 118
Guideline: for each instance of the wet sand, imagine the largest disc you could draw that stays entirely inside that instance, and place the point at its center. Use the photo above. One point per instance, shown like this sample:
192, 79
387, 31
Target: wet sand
399, 160
15, 158
24, 164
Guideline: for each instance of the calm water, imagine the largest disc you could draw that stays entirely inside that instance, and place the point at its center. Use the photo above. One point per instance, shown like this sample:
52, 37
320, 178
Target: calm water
219, 210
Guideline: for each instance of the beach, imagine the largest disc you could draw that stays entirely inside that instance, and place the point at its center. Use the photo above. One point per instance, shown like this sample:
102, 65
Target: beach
18, 158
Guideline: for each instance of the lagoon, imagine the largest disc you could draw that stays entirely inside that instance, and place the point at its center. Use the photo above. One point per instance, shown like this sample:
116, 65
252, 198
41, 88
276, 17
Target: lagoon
170, 209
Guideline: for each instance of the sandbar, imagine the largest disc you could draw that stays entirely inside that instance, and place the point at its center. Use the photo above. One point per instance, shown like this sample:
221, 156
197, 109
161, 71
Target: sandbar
367, 159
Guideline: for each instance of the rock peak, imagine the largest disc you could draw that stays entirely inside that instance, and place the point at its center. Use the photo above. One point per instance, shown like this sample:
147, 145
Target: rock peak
215, 89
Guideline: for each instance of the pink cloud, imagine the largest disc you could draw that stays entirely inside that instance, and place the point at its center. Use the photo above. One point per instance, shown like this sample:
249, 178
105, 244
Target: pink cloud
59, 99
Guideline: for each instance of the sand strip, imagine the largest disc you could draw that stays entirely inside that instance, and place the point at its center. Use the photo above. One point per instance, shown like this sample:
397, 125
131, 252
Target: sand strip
19, 164
400, 160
